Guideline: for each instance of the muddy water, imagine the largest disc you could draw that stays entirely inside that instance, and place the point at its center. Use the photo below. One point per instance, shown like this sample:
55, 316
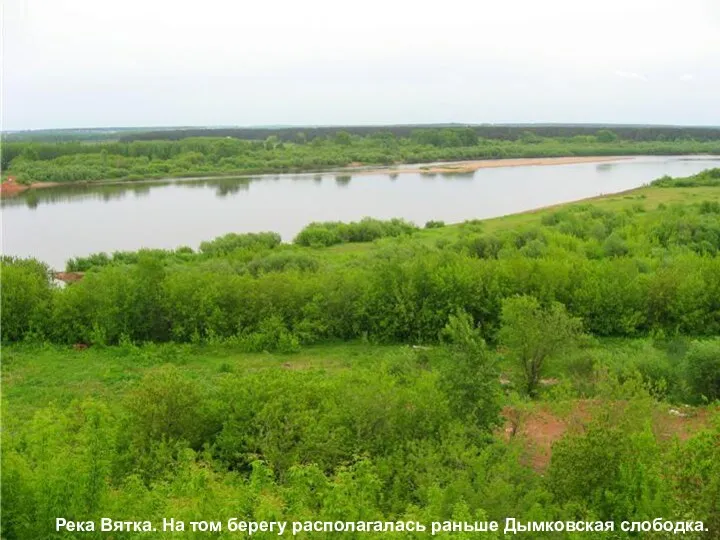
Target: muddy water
58, 223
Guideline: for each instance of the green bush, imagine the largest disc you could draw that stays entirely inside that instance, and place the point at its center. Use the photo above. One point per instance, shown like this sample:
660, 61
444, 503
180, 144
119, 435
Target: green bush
224, 245
703, 370
165, 407
26, 296
610, 471
271, 335
434, 224
368, 229
282, 261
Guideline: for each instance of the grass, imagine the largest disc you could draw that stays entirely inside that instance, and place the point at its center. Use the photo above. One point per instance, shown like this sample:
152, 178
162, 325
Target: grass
34, 376
649, 197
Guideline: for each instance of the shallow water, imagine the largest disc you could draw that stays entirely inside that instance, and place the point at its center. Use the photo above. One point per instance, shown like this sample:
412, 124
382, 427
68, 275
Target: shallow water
55, 224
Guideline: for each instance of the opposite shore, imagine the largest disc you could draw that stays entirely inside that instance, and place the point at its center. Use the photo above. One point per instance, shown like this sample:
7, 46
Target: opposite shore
11, 188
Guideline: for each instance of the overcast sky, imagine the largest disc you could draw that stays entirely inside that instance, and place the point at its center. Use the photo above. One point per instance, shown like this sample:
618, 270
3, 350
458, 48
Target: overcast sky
97, 63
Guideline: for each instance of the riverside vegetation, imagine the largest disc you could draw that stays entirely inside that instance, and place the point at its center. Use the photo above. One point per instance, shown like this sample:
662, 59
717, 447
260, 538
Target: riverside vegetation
562, 364
86, 161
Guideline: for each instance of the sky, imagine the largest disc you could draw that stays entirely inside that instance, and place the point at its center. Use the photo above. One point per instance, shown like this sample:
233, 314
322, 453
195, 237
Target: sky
103, 63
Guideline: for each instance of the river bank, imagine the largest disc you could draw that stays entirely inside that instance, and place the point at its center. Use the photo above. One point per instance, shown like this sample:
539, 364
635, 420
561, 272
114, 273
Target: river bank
10, 187
462, 167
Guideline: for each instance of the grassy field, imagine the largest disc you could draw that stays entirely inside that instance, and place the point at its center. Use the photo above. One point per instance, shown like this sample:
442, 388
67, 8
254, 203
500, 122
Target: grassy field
36, 376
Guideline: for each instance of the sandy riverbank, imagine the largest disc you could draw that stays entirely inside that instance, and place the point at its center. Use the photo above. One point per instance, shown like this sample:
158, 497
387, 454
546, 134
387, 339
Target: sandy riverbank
460, 167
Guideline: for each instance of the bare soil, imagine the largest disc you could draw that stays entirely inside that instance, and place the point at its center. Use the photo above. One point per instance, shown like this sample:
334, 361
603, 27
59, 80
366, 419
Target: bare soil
539, 429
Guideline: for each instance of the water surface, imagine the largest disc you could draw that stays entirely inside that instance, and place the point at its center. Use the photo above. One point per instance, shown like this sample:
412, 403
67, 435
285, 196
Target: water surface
55, 224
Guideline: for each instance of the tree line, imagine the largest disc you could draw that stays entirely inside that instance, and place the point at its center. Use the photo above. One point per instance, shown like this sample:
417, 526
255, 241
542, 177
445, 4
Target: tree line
84, 161
501, 132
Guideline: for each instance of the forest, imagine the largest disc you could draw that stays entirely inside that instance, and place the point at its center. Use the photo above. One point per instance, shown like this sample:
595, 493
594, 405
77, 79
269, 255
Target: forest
557, 366
290, 133
92, 160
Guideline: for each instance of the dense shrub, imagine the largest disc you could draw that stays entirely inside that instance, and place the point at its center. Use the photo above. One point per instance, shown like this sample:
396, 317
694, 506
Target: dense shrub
703, 369
281, 261
434, 224
611, 469
271, 335
26, 295
166, 406
224, 245
366, 230
97, 260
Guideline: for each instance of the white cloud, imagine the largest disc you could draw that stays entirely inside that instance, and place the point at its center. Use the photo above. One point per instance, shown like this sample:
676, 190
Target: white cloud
687, 77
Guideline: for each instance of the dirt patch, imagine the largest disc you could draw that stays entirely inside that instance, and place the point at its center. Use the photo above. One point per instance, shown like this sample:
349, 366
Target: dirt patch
540, 428
11, 187
680, 422
538, 431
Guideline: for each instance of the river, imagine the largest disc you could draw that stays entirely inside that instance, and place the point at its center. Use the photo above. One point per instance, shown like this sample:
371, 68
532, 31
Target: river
55, 224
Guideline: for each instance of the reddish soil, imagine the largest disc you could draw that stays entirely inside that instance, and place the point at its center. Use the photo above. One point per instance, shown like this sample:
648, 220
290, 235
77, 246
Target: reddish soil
540, 428
11, 187
680, 422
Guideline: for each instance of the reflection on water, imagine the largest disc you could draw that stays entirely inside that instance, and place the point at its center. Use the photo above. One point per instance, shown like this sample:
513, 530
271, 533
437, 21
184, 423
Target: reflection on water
55, 224
343, 180
32, 199
109, 192
458, 175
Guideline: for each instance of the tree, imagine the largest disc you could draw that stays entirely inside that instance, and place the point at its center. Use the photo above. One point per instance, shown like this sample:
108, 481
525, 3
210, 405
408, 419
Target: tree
528, 137
470, 378
271, 142
534, 334
468, 136
343, 138
606, 136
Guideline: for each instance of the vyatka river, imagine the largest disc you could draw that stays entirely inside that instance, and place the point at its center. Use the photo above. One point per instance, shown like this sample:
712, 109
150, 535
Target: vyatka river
55, 224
